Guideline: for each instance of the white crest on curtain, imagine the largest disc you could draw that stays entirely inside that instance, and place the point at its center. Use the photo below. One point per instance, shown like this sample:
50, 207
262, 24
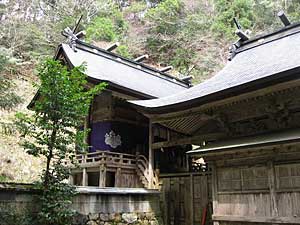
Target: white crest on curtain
112, 139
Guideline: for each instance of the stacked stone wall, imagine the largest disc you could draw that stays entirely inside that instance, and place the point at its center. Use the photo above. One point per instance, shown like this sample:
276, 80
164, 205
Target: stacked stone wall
93, 206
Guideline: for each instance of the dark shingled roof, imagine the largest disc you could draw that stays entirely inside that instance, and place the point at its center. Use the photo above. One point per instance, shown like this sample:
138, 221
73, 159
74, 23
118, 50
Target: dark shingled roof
137, 77
257, 61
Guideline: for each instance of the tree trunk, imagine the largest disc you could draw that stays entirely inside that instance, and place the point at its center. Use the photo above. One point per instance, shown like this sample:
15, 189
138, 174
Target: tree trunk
49, 157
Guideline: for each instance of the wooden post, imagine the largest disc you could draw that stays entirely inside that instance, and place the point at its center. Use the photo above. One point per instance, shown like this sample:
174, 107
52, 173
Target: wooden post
84, 177
151, 157
271, 176
71, 179
192, 198
118, 177
102, 176
214, 189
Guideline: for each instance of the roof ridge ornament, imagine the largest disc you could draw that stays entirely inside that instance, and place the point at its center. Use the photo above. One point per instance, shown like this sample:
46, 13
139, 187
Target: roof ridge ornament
165, 69
243, 36
112, 46
141, 58
72, 36
187, 78
283, 18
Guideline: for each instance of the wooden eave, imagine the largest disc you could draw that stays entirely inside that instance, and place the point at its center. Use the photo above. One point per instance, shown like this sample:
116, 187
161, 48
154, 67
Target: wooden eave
257, 141
190, 120
251, 87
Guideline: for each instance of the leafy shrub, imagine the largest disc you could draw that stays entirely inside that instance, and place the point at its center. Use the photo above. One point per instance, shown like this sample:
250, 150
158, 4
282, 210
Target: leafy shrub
123, 50
164, 18
108, 25
225, 12
8, 98
101, 29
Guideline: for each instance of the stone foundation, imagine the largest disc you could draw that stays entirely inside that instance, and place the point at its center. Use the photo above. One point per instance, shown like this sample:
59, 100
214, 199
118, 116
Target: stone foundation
117, 206
118, 219
93, 206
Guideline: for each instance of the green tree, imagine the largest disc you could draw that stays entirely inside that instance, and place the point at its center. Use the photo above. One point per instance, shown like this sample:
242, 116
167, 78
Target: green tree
53, 132
225, 12
165, 17
8, 97
102, 29
108, 24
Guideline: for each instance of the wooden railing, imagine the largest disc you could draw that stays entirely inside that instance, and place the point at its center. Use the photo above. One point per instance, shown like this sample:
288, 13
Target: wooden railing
108, 158
144, 173
137, 162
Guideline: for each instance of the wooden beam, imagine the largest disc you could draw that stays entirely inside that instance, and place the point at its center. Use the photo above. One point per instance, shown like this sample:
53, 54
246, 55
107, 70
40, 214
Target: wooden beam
254, 219
151, 157
187, 140
199, 115
84, 177
71, 179
141, 58
102, 176
231, 100
271, 178
112, 46
118, 177
192, 216
214, 189
166, 69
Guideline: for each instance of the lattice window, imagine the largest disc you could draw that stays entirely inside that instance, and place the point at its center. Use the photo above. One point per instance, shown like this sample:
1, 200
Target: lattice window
254, 178
288, 176
229, 179
242, 179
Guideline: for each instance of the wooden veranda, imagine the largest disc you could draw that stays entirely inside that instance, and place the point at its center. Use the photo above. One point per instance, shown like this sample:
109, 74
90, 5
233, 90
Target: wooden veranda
125, 170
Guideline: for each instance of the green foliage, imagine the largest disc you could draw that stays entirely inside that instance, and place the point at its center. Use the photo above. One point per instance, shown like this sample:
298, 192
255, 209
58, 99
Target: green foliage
8, 98
165, 17
195, 23
182, 59
137, 7
3, 178
225, 12
11, 216
108, 25
293, 9
56, 199
52, 132
266, 22
123, 50
101, 29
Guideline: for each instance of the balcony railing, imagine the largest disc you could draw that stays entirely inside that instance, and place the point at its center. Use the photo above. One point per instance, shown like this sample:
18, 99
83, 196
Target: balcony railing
138, 163
108, 158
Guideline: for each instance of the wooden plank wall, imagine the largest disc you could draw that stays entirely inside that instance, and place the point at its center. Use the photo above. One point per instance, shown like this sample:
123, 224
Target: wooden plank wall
267, 193
184, 198
128, 179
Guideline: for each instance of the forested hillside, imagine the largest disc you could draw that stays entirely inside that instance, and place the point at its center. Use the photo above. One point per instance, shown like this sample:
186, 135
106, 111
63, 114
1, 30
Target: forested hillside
191, 35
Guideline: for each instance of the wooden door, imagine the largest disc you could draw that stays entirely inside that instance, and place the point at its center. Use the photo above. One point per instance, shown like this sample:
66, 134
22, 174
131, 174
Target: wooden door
185, 197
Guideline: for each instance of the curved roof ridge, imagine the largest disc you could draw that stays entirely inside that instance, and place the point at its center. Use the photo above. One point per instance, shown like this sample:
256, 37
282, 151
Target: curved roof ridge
261, 63
154, 71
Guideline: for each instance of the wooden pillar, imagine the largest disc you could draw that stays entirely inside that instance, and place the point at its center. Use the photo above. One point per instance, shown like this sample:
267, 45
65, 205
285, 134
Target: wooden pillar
151, 157
71, 179
192, 199
102, 176
271, 176
118, 177
214, 189
84, 177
